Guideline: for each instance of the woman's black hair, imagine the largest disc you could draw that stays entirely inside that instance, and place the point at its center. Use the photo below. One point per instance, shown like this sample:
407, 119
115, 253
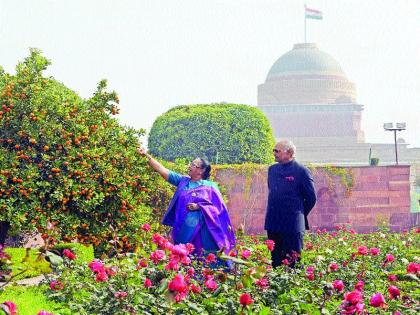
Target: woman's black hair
205, 165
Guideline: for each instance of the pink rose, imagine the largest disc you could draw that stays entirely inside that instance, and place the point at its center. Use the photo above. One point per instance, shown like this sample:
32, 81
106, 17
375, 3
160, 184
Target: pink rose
120, 294
172, 265
413, 268
180, 250
147, 283
56, 285
195, 289
245, 254
392, 278
10, 308
96, 266
347, 308
374, 251
362, 250
338, 285
353, 297
285, 262
333, 267
210, 283
394, 292
69, 254
177, 284
159, 240
190, 247
359, 285
262, 283
44, 313
389, 258
157, 256
270, 245
377, 300
142, 263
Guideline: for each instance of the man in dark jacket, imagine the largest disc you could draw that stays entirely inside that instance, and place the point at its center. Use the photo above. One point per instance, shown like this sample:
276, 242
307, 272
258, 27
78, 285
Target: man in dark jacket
291, 196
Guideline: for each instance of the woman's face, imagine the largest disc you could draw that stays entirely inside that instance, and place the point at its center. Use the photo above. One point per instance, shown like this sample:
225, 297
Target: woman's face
194, 169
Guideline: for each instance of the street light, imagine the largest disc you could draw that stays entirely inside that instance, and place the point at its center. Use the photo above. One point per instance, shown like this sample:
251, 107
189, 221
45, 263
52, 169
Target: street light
398, 127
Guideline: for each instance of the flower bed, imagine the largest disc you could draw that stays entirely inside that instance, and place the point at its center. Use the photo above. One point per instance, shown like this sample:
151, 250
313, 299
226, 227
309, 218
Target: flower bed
339, 272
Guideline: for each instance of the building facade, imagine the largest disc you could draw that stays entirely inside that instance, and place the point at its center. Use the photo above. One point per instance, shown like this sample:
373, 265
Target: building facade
308, 98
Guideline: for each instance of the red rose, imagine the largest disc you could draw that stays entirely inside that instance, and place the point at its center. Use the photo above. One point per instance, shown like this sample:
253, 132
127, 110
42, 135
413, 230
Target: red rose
146, 227
211, 258
245, 299
69, 254
101, 276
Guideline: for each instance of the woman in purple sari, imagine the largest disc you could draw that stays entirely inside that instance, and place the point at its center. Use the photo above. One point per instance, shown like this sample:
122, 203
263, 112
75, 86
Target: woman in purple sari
197, 212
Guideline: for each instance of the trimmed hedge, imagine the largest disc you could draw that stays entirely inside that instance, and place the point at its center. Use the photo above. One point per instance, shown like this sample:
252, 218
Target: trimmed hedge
221, 133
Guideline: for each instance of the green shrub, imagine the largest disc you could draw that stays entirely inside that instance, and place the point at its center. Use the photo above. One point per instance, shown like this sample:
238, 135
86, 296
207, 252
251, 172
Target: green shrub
67, 167
222, 133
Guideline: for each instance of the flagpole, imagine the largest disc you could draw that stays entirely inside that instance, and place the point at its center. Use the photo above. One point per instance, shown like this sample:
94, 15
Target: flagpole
304, 17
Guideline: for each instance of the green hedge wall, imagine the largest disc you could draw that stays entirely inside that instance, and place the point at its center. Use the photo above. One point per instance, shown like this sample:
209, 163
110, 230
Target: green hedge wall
222, 133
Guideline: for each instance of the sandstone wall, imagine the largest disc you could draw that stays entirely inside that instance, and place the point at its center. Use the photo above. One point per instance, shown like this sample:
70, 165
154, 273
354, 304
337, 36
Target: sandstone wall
380, 196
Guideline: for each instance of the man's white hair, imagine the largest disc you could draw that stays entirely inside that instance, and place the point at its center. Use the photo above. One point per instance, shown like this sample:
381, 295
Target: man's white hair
288, 145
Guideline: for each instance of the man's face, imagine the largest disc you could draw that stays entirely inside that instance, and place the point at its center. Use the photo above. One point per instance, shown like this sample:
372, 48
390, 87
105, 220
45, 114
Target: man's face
281, 155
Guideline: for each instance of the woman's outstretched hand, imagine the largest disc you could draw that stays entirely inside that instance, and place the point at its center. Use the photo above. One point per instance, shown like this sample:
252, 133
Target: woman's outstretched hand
162, 170
141, 151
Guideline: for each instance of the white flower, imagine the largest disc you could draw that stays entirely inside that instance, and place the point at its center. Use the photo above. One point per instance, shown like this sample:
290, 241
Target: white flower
328, 251
405, 261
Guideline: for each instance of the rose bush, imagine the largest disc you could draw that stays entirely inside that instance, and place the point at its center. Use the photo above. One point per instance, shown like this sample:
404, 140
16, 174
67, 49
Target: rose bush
334, 277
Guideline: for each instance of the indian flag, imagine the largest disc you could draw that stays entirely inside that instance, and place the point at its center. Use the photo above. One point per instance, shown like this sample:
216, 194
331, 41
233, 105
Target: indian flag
313, 14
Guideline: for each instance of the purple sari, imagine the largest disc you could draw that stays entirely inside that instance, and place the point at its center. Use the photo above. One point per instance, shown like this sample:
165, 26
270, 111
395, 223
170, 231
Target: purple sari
209, 228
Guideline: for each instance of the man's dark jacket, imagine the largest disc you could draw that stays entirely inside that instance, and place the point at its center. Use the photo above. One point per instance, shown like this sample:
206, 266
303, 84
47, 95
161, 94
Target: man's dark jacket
291, 196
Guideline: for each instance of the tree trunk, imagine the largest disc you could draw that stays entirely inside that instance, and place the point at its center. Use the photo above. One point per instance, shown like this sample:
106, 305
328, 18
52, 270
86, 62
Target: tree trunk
4, 228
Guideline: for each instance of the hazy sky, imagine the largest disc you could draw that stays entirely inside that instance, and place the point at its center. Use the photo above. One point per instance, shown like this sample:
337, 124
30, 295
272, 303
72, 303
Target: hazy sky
160, 53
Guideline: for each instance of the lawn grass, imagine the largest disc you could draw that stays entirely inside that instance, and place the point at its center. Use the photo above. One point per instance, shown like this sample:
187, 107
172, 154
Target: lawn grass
33, 264
31, 299
36, 265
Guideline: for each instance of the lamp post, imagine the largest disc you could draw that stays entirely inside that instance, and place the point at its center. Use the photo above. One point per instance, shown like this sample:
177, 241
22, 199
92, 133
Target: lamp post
398, 127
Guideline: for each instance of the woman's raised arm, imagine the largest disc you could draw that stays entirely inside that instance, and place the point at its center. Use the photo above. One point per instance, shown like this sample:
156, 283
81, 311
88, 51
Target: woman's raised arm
162, 170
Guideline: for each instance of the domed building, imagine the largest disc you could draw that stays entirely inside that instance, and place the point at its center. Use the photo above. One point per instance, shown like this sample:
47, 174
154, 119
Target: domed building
308, 98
